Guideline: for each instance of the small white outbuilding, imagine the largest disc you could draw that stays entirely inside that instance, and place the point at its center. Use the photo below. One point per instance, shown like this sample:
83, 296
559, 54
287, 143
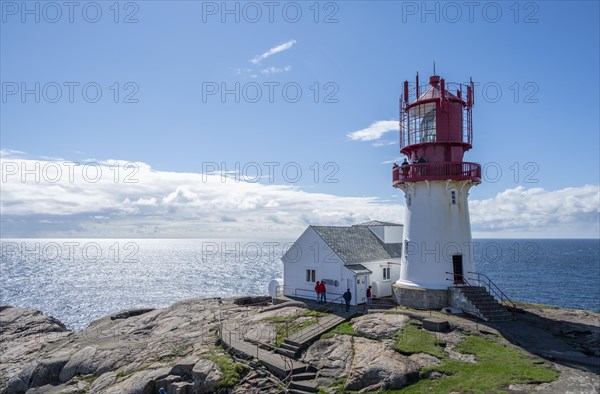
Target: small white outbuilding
354, 257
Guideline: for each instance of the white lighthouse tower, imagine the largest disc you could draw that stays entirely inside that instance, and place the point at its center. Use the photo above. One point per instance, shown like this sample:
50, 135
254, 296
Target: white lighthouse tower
435, 133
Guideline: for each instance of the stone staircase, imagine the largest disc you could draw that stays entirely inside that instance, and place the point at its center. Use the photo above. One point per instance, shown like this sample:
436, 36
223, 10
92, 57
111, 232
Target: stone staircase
295, 343
299, 376
292, 346
383, 303
485, 305
282, 361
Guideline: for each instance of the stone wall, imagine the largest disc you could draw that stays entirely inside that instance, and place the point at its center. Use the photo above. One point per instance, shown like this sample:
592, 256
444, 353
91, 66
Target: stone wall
458, 300
420, 298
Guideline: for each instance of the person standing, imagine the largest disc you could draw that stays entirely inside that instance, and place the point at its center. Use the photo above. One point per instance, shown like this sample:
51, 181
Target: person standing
405, 168
369, 296
323, 292
347, 297
318, 291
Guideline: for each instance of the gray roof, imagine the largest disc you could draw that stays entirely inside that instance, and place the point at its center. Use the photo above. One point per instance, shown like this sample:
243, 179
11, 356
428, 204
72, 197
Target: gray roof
359, 269
357, 244
377, 223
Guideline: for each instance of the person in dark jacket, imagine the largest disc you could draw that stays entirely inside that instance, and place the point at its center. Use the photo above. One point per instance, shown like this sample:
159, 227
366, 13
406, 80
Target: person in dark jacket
347, 297
405, 167
369, 296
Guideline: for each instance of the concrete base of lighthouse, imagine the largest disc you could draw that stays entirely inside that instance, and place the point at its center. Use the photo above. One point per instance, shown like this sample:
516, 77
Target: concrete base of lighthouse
420, 298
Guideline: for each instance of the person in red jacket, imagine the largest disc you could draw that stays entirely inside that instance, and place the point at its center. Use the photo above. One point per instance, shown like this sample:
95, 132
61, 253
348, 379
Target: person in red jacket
318, 291
323, 293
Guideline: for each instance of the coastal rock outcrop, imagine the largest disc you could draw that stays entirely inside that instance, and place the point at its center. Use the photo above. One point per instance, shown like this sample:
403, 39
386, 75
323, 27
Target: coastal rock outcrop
126, 353
377, 367
177, 349
379, 325
332, 357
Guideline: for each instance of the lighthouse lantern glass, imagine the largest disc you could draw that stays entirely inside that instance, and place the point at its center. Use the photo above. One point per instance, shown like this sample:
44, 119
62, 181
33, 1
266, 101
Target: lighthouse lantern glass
422, 123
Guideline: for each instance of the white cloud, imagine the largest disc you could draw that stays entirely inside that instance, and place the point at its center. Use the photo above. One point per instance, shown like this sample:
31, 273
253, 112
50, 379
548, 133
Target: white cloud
11, 153
375, 131
396, 160
176, 204
279, 48
275, 70
565, 213
171, 204
379, 144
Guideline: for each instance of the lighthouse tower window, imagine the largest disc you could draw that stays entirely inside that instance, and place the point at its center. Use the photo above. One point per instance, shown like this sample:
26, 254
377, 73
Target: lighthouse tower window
453, 196
428, 126
422, 122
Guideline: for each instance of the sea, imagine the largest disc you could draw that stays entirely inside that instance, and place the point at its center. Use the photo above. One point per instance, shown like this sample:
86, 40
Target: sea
80, 280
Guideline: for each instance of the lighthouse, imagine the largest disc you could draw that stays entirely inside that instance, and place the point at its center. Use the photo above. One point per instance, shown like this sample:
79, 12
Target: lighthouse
435, 132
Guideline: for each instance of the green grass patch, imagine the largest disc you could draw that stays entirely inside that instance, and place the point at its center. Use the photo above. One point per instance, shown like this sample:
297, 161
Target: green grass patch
280, 319
288, 325
412, 339
314, 314
87, 378
232, 371
338, 386
178, 351
497, 367
344, 328
122, 375
291, 328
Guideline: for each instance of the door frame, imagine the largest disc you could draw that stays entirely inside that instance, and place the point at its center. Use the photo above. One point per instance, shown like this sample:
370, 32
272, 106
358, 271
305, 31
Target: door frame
457, 262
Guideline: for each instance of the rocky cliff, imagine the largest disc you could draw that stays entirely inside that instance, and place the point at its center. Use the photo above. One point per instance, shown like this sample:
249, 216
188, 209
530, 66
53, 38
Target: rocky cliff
177, 348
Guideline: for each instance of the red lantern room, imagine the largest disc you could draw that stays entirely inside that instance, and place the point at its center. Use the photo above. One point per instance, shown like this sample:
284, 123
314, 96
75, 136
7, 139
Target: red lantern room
435, 132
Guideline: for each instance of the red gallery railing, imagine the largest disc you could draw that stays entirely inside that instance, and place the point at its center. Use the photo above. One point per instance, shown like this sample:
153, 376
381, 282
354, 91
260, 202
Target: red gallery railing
458, 171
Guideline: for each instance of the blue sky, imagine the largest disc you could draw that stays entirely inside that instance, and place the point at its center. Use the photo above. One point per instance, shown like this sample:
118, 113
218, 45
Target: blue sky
538, 138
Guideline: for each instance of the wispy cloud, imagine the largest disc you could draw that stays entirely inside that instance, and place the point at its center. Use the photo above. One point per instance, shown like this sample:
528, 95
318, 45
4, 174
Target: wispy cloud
396, 160
279, 48
379, 144
11, 153
275, 70
375, 131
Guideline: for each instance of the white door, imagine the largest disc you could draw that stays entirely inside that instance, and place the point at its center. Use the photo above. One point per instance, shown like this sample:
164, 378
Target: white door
362, 283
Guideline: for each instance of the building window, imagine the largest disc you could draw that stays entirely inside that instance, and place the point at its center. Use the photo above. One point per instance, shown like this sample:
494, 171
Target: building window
453, 196
386, 273
311, 275
408, 199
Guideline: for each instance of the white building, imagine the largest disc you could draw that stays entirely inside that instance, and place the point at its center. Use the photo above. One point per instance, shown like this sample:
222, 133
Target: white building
353, 257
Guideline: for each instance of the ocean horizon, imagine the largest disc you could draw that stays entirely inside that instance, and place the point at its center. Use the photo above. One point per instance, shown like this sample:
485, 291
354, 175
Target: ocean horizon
78, 280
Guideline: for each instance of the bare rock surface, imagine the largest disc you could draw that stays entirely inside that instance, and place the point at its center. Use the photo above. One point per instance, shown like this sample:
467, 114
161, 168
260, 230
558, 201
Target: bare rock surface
332, 357
379, 325
376, 366
577, 328
130, 352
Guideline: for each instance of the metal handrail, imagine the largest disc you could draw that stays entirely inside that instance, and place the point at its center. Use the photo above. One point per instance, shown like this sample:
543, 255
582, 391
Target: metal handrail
325, 308
279, 288
495, 289
461, 276
465, 282
288, 363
